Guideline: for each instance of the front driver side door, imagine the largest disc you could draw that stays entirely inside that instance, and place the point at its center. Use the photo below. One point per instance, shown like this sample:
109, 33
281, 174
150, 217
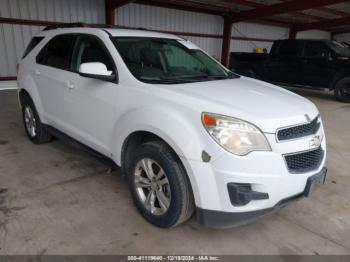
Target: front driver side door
90, 104
317, 66
283, 66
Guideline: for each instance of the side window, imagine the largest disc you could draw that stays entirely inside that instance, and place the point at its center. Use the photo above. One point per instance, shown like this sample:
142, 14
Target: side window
290, 48
315, 49
40, 58
57, 52
90, 49
33, 43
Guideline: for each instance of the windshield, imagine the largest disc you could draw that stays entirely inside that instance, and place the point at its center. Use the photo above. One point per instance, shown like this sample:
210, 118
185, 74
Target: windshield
339, 49
168, 61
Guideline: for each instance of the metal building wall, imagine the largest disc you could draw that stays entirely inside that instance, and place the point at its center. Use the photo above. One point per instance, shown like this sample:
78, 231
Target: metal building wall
313, 34
256, 31
342, 37
14, 38
159, 18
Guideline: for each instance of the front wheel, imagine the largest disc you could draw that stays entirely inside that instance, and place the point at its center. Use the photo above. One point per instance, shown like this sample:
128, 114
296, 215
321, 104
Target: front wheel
342, 90
159, 185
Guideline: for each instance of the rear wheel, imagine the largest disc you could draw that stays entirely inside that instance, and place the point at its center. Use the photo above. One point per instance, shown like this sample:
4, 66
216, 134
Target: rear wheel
35, 130
342, 90
159, 185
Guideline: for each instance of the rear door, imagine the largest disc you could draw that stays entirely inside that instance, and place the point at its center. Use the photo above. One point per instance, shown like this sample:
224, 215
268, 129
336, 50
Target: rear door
50, 72
316, 65
283, 66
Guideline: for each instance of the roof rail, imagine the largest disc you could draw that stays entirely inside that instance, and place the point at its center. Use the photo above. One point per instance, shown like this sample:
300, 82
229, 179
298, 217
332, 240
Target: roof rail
117, 27
80, 24
65, 25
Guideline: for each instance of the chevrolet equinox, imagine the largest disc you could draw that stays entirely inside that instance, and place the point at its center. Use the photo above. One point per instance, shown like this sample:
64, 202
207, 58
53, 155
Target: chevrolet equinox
189, 135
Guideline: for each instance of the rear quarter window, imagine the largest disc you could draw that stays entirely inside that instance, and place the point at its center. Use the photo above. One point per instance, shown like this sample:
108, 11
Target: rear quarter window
33, 43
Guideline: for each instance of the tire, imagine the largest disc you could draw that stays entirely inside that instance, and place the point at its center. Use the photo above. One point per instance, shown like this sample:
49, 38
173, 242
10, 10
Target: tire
173, 202
342, 90
35, 130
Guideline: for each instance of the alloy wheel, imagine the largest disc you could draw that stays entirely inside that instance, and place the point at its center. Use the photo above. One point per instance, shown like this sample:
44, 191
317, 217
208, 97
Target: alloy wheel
30, 121
152, 186
345, 91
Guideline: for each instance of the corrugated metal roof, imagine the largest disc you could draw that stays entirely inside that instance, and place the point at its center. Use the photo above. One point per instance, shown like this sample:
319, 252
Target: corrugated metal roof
345, 7
323, 14
299, 17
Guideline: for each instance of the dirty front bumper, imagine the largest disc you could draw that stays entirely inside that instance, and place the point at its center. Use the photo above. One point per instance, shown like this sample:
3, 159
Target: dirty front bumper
219, 219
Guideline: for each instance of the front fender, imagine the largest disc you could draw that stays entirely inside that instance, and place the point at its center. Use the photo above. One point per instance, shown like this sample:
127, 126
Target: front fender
180, 131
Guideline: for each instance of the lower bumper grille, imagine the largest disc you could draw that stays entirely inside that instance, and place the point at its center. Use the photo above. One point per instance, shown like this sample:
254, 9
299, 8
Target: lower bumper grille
305, 161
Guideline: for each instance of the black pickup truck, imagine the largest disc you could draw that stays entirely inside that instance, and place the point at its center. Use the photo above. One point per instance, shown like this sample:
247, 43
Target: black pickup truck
307, 63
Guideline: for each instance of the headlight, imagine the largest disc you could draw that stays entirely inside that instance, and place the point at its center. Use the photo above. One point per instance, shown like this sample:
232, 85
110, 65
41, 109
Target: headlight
235, 135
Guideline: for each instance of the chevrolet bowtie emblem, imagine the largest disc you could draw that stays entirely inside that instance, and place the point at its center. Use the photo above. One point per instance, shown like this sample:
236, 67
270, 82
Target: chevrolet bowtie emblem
315, 142
308, 119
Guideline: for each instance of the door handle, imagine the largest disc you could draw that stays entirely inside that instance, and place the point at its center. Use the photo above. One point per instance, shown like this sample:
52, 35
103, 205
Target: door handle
69, 85
37, 72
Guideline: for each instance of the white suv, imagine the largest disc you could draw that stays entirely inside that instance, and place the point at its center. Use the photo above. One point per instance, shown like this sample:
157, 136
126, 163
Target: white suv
189, 135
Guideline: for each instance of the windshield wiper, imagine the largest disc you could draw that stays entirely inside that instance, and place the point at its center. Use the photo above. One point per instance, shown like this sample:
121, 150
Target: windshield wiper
218, 77
230, 75
174, 80
159, 80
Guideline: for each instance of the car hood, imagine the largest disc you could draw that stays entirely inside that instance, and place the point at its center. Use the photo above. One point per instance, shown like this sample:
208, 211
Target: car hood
267, 106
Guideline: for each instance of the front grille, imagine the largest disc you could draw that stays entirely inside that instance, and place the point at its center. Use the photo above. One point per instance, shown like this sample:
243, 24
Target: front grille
304, 162
299, 131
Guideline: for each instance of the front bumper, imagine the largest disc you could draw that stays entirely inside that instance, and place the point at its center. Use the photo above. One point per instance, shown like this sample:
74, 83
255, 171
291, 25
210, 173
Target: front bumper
269, 181
265, 172
219, 219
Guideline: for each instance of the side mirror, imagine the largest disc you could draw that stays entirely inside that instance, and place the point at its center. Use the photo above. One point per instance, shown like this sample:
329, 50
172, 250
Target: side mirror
96, 70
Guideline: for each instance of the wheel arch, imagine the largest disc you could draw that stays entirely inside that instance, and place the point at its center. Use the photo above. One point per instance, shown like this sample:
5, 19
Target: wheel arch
28, 87
132, 141
22, 94
339, 76
136, 138
181, 130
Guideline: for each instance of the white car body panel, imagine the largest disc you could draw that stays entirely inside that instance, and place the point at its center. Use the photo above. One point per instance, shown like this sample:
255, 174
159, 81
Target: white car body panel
102, 115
